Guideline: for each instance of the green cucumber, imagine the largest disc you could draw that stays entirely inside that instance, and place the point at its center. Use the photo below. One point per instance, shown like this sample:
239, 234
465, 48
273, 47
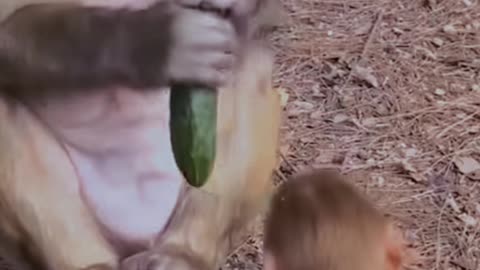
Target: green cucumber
193, 129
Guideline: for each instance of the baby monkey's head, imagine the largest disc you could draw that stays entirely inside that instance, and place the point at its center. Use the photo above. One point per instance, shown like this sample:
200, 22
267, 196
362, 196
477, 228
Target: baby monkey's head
318, 221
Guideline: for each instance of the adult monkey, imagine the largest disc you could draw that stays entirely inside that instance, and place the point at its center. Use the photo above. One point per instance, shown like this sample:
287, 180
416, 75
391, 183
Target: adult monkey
88, 177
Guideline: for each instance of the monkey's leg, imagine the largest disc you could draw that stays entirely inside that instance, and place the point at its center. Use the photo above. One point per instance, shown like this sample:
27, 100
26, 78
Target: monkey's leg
204, 224
40, 204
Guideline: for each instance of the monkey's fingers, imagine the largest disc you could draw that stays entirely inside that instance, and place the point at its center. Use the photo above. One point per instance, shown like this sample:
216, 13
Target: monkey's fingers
235, 7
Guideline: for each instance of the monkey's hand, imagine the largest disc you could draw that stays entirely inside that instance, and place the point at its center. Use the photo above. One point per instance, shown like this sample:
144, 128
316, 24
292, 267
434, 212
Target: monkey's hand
165, 259
203, 49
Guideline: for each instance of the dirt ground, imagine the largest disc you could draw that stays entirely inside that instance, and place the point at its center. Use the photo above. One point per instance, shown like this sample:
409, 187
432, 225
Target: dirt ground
387, 90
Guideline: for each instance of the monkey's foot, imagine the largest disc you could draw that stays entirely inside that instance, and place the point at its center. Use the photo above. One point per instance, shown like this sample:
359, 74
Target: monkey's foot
165, 259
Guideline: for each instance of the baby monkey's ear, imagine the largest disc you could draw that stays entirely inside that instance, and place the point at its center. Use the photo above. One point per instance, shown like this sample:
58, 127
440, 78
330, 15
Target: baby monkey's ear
398, 254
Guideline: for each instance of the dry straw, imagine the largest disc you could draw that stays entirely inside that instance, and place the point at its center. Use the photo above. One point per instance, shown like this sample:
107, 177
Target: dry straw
389, 90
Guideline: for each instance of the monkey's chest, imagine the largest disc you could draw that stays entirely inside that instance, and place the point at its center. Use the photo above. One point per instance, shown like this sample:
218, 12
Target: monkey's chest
132, 196
121, 151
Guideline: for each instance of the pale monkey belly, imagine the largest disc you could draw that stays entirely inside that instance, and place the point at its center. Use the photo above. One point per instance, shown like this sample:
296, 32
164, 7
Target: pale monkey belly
119, 143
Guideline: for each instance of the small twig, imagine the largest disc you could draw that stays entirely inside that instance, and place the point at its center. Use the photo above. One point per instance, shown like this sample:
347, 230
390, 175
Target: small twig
280, 174
438, 244
450, 127
364, 50
284, 158
460, 265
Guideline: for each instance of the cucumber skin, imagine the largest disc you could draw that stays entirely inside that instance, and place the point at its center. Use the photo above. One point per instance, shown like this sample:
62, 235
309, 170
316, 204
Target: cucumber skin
193, 128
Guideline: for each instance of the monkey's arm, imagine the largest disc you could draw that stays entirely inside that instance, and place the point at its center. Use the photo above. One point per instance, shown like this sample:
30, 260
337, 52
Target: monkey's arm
43, 219
64, 46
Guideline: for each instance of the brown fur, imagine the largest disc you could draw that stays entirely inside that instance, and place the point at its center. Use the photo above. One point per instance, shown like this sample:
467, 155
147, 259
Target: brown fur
7, 7
320, 221
60, 48
44, 222
43, 219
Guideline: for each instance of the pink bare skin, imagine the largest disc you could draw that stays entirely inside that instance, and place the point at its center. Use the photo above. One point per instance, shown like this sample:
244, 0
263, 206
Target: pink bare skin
119, 145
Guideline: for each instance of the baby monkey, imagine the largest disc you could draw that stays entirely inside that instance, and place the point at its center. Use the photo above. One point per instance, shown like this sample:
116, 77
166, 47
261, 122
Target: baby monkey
318, 221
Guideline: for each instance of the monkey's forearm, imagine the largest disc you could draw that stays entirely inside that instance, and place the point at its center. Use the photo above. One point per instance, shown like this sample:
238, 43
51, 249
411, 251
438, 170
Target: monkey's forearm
51, 46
